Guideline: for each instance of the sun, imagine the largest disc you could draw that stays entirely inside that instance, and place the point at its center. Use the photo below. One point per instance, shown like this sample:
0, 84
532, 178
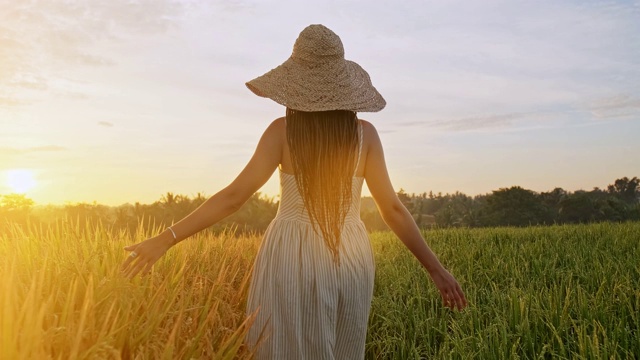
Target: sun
21, 180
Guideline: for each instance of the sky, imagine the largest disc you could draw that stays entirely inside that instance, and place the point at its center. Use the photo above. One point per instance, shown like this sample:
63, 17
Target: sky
121, 102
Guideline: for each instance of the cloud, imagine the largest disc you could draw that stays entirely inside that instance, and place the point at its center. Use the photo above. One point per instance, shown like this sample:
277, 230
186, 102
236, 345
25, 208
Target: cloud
499, 56
622, 105
29, 81
226, 6
73, 95
105, 123
409, 123
40, 40
468, 123
9, 101
20, 151
386, 131
497, 121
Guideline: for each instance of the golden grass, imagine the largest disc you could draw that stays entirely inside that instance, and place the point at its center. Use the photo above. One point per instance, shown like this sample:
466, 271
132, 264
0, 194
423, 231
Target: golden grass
63, 296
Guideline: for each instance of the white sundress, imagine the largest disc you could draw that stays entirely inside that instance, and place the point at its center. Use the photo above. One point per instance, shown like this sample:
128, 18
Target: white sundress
309, 307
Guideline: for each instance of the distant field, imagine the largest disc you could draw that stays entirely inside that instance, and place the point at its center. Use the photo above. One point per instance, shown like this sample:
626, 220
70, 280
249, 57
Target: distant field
563, 292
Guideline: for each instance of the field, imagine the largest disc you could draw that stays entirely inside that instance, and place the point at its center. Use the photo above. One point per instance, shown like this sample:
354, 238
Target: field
561, 292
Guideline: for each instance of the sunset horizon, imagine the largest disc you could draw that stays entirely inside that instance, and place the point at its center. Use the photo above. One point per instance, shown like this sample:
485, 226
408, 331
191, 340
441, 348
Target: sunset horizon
274, 196
122, 103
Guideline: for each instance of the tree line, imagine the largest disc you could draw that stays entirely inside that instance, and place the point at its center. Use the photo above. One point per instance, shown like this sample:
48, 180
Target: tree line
253, 217
514, 206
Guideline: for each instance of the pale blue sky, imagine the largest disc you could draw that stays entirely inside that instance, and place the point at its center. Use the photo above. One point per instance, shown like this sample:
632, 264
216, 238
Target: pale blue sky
118, 102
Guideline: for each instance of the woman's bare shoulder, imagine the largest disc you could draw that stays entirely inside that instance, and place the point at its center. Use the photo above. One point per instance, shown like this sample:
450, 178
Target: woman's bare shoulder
369, 130
367, 126
365, 122
278, 123
277, 128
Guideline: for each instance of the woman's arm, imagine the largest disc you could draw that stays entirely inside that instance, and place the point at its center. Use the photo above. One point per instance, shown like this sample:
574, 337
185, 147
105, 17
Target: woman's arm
402, 224
224, 203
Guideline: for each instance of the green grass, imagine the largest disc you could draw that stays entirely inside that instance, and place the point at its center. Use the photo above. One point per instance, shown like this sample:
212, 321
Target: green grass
562, 292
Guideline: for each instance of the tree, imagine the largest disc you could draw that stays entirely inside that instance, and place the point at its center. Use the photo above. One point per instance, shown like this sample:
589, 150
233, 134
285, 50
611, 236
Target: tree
16, 203
515, 206
457, 209
626, 189
168, 200
579, 207
15, 207
552, 200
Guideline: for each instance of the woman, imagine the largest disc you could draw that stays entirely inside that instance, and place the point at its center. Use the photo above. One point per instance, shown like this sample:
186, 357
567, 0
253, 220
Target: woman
313, 276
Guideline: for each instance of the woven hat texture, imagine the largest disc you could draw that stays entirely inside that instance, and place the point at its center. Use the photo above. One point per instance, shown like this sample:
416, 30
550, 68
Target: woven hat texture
316, 77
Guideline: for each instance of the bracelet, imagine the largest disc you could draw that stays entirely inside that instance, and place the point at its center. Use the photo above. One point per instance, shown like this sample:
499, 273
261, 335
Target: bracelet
175, 238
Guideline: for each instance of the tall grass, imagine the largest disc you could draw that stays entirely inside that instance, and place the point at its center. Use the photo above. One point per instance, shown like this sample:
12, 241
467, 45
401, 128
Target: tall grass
562, 292
63, 296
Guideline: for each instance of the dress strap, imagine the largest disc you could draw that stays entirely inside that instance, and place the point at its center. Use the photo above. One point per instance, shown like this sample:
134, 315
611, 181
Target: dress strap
360, 141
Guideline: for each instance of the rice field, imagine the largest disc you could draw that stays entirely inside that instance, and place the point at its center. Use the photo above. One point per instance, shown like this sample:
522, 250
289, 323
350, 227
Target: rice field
561, 292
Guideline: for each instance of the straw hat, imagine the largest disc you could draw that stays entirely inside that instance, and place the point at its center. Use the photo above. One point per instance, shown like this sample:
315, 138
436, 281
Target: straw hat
318, 78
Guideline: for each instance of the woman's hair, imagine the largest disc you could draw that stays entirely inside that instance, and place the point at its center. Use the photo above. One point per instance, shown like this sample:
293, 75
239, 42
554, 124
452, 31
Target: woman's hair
324, 149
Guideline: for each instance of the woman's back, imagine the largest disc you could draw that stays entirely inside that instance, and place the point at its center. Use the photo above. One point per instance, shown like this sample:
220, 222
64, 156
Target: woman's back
307, 302
291, 202
286, 162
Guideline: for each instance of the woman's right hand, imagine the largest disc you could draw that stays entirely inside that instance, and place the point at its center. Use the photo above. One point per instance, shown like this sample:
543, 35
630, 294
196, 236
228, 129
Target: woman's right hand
451, 292
143, 255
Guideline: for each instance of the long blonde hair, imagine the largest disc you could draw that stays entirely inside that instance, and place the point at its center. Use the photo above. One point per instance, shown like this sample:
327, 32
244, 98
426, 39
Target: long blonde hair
324, 147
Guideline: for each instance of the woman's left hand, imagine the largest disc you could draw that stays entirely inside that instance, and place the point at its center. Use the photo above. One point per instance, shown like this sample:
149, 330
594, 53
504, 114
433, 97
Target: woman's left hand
451, 292
144, 254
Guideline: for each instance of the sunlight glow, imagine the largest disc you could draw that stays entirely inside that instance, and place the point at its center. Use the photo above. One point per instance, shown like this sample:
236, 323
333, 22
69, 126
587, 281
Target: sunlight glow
21, 180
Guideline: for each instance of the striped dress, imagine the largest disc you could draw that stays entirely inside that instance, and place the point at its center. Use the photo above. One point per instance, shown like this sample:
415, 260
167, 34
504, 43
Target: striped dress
308, 306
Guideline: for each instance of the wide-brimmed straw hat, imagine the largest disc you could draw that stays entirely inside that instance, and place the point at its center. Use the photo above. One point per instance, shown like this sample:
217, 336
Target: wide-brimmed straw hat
316, 77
